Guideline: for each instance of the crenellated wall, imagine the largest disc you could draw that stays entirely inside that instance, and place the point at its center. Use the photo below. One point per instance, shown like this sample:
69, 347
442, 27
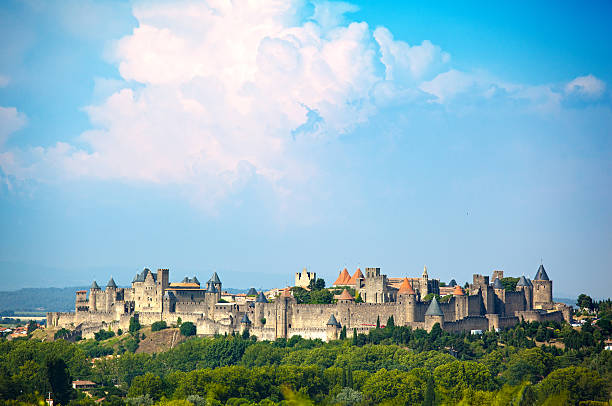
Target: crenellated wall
152, 298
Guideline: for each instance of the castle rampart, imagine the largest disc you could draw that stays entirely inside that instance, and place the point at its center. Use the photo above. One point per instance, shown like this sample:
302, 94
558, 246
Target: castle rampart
152, 297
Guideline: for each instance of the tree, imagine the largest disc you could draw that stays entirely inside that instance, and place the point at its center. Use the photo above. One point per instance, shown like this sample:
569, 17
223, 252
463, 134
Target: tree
32, 325
343, 333
301, 295
577, 382
509, 283
377, 321
62, 332
59, 380
348, 397
147, 384
103, 335
430, 393
585, 302
531, 364
454, 377
323, 296
390, 322
134, 325
316, 284
188, 329
158, 325
397, 386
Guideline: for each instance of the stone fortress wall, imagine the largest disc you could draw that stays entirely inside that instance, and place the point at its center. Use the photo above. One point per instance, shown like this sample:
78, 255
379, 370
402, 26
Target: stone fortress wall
152, 298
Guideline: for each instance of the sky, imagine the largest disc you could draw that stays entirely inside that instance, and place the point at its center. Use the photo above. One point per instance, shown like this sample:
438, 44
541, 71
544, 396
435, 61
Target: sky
258, 138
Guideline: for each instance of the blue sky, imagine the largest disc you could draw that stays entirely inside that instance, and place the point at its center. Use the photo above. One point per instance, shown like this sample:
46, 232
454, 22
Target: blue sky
256, 141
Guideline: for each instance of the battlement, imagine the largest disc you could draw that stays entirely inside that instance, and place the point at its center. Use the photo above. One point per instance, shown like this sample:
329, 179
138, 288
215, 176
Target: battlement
152, 298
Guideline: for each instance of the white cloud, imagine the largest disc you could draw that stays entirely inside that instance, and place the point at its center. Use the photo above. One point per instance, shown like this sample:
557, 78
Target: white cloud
4, 81
222, 87
587, 86
11, 120
449, 84
407, 63
330, 14
213, 94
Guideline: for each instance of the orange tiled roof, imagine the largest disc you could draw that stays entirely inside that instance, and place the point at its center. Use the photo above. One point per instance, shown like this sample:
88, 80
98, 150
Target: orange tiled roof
357, 275
406, 288
458, 291
345, 296
343, 278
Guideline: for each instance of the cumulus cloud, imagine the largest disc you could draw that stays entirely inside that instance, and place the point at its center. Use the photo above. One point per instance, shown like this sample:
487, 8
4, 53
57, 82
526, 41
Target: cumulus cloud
222, 87
407, 63
213, 94
586, 86
11, 120
449, 84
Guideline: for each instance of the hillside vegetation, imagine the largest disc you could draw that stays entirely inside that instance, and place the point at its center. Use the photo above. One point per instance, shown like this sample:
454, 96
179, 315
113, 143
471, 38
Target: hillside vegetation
524, 365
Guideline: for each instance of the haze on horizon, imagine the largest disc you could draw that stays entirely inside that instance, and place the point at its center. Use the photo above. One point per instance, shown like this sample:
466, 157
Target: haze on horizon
257, 140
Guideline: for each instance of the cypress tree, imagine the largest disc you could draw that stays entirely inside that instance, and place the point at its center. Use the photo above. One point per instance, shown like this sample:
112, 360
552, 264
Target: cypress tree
377, 321
430, 393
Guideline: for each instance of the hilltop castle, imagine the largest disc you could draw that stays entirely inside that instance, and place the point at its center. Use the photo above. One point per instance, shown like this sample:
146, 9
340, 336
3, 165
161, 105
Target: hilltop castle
152, 298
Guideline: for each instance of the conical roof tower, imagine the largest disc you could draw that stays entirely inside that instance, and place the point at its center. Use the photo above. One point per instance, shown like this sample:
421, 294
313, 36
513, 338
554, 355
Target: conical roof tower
111, 283
541, 274
434, 309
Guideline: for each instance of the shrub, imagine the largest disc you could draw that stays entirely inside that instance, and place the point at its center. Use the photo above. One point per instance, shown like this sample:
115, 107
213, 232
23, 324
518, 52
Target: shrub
131, 345
61, 333
134, 325
103, 335
188, 329
158, 325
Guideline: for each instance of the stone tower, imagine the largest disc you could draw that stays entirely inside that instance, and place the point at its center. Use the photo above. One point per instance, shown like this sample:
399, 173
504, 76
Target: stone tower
524, 286
216, 282
111, 290
93, 292
424, 283
433, 315
163, 276
374, 286
260, 313
332, 328
542, 290
303, 279
407, 296
245, 323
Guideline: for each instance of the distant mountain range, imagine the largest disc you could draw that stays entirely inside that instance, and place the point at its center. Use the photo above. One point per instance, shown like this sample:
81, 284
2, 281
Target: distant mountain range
39, 299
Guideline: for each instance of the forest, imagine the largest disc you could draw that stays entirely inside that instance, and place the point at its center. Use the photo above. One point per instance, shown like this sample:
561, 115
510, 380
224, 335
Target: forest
530, 364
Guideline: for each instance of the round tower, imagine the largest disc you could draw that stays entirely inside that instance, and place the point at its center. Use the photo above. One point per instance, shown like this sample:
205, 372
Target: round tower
434, 315
93, 292
245, 323
332, 328
407, 296
260, 313
215, 282
524, 286
111, 289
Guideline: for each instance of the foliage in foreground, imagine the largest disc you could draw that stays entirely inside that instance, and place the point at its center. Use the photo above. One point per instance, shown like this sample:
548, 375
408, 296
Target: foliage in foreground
390, 365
